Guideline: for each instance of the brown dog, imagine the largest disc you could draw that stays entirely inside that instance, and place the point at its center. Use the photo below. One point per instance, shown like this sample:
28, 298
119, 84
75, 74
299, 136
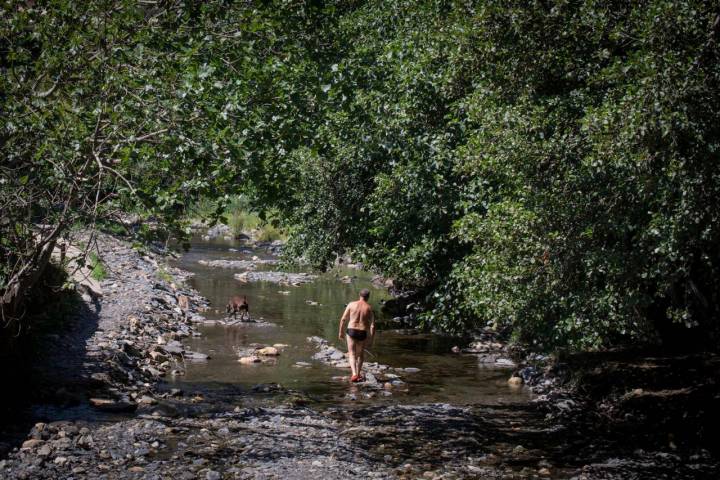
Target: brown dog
238, 304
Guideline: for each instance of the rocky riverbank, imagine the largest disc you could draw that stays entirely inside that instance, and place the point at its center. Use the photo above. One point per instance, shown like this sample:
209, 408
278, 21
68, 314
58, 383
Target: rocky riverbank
118, 419
123, 340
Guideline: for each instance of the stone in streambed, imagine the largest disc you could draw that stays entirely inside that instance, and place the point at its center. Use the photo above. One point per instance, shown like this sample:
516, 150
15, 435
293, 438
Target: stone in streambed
85, 441
196, 356
147, 400
174, 348
515, 381
337, 355
158, 356
44, 451
109, 405
271, 351
165, 410
370, 379
248, 360
212, 475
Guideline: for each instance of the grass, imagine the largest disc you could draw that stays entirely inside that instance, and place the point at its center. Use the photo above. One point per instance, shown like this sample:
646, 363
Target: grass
269, 233
240, 219
98, 270
164, 275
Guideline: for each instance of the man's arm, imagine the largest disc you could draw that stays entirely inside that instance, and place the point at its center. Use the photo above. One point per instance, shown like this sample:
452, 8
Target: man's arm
343, 319
372, 328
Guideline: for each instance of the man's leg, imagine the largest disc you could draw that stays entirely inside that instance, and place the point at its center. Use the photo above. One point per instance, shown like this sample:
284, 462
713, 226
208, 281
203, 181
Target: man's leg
351, 354
359, 353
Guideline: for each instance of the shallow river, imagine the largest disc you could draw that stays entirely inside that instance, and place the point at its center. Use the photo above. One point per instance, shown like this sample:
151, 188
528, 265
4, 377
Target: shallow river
443, 376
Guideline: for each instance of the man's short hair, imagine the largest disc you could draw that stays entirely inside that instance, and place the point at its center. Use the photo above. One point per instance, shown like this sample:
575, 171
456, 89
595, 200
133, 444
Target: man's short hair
365, 293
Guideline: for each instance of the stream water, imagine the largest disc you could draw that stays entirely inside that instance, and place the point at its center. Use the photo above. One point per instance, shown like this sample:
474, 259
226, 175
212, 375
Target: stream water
443, 376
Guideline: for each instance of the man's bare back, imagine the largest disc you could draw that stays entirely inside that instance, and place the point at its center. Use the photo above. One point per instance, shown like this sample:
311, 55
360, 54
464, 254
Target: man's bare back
359, 315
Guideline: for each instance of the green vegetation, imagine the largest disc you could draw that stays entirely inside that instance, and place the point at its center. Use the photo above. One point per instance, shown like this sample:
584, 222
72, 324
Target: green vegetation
238, 215
546, 168
164, 275
97, 267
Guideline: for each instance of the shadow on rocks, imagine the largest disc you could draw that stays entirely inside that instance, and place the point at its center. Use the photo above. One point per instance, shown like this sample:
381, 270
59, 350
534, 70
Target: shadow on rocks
45, 365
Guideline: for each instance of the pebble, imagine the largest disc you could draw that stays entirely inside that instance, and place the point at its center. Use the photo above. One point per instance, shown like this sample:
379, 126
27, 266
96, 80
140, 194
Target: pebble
270, 351
44, 451
147, 400
515, 381
32, 443
248, 360
196, 356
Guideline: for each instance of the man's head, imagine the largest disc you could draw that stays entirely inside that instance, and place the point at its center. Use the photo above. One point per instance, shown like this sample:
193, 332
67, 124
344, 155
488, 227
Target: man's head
365, 294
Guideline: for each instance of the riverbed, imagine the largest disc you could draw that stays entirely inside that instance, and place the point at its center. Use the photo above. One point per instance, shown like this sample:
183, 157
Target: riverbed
313, 309
116, 394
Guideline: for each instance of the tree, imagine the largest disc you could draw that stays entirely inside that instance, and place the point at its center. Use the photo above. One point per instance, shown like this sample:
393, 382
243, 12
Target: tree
118, 107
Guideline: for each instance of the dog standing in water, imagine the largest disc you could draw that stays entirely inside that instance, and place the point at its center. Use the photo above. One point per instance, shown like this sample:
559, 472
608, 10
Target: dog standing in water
238, 304
361, 329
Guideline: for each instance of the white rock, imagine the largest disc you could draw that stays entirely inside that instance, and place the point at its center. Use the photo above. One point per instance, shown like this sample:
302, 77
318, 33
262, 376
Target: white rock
272, 351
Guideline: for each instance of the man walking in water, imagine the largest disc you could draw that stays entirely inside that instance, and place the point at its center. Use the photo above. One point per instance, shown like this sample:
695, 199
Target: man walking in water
361, 320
